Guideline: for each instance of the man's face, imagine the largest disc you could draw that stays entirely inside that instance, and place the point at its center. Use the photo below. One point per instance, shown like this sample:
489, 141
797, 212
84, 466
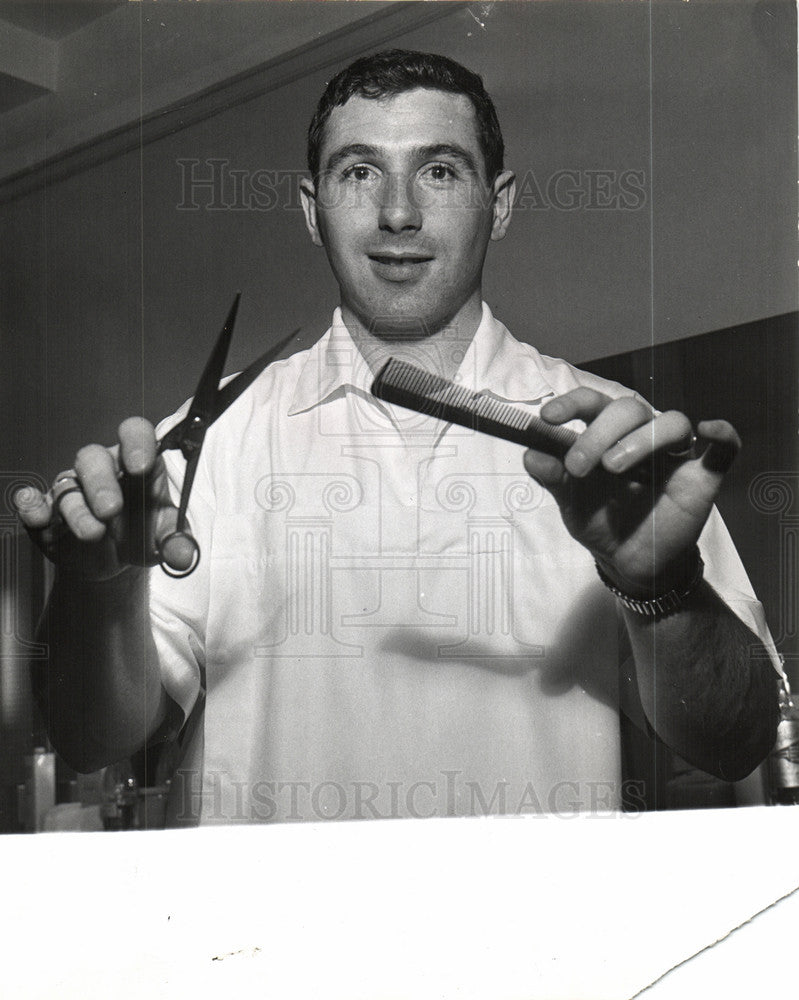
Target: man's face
405, 211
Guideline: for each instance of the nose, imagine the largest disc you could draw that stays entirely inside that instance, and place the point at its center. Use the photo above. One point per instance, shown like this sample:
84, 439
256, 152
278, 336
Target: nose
398, 209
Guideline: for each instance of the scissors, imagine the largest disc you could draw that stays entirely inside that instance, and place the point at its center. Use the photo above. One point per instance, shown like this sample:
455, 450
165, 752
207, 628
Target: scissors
179, 552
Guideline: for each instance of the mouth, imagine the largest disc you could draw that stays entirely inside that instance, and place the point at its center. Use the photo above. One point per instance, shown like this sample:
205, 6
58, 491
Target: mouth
407, 268
398, 260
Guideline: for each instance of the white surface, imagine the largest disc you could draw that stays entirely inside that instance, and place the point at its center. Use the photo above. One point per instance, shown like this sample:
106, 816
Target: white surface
534, 908
756, 959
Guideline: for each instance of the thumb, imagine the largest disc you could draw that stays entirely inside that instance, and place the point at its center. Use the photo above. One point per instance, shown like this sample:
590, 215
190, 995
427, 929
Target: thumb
157, 532
148, 515
722, 448
549, 471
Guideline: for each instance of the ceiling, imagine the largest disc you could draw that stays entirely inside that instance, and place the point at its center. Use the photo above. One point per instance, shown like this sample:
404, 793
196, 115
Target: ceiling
83, 79
52, 19
30, 31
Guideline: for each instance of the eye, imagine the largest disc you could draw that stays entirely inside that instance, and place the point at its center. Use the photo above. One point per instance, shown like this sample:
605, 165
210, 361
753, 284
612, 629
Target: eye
440, 172
358, 172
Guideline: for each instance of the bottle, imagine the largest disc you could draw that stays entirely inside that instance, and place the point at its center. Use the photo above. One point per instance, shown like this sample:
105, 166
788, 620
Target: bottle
39, 788
784, 757
120, 797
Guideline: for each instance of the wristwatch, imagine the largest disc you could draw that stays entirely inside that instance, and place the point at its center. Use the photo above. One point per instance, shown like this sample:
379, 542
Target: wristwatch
665, 604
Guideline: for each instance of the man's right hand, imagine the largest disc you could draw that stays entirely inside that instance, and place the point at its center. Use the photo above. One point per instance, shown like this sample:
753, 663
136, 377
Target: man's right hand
105, 514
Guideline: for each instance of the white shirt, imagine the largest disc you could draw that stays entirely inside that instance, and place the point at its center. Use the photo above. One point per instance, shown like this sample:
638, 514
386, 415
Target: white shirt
389, 618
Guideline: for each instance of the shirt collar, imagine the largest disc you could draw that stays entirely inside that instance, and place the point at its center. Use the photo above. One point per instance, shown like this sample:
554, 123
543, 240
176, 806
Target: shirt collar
495, 364
498, 365
333, 364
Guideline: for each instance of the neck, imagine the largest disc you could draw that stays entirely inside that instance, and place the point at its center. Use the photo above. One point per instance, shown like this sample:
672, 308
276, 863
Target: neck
439, 350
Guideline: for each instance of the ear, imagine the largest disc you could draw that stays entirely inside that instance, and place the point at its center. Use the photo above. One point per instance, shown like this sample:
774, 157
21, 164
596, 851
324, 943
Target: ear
504, 192
308, 199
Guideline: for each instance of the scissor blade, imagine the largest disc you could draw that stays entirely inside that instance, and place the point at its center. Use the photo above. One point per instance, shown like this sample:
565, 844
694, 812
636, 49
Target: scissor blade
230, 392
203, 404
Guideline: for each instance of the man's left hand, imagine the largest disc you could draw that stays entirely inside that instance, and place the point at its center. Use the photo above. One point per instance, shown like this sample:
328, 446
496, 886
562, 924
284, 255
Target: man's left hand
635, 489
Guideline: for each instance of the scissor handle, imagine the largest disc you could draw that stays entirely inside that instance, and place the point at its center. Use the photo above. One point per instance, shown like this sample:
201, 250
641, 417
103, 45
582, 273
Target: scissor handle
178, 554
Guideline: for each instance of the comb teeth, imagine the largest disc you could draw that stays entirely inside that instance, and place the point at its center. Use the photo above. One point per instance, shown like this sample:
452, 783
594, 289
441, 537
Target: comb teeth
409, 386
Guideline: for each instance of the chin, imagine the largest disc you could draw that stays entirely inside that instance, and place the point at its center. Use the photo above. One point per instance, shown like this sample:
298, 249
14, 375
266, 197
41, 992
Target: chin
402, 319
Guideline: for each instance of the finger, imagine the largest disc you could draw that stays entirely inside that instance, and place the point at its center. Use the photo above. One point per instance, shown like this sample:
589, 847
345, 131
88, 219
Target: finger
544, 468
78, 517
179, 553
64, 484
35, 508
138, 447
724, 445
96, 469
581, 403
669, 431
612, 422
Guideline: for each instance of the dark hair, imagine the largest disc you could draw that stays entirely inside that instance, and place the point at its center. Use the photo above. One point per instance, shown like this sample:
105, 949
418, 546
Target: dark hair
394, 71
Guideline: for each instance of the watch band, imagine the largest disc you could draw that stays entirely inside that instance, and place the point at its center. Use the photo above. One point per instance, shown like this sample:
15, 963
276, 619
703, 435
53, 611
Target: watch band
657, 607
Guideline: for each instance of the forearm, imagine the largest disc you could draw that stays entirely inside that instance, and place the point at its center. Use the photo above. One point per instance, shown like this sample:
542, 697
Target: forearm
100, 689
706, 684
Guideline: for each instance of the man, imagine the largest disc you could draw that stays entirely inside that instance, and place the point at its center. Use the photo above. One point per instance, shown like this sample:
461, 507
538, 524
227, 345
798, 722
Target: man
389, 617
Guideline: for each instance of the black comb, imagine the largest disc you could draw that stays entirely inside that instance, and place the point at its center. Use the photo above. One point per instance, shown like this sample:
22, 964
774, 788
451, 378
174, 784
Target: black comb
404, 384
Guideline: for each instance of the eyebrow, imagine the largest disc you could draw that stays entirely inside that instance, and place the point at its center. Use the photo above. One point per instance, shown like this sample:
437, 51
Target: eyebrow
361, 150
357, 150
448, 149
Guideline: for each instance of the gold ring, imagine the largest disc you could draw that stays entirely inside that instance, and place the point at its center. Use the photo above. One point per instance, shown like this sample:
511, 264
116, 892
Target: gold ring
686, 452
61, 489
